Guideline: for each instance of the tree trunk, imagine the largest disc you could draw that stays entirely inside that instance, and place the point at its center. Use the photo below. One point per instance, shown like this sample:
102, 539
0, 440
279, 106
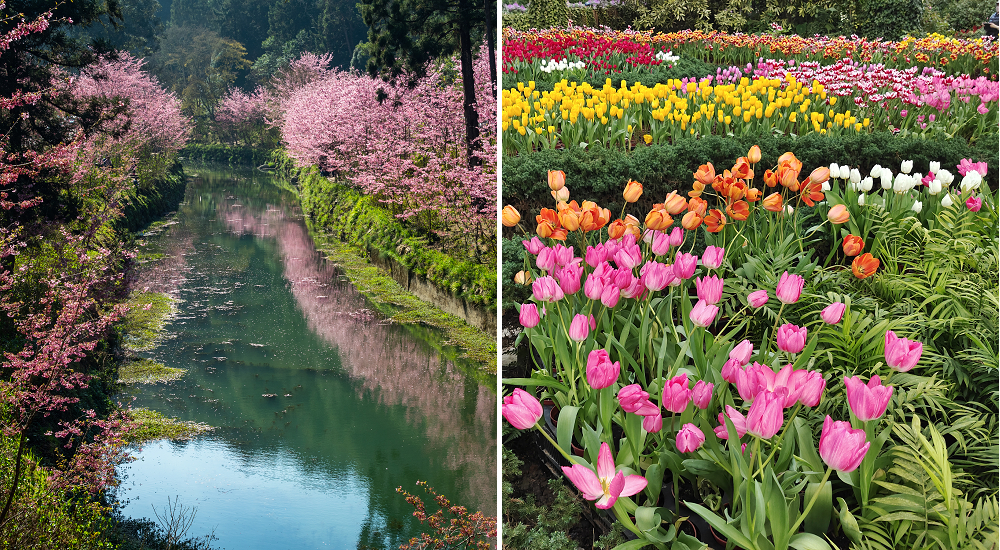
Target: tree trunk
491, 42
468, 86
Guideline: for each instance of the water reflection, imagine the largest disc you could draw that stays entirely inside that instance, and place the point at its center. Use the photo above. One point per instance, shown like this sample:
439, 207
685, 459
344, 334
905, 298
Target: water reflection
366, 406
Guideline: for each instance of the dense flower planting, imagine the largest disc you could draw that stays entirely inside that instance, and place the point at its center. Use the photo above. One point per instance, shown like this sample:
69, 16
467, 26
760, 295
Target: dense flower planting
606, 51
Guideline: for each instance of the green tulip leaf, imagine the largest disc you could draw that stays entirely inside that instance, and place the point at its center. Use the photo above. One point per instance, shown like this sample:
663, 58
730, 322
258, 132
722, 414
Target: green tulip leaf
848, 523
564, 431
818, 520
726, 530
808, 541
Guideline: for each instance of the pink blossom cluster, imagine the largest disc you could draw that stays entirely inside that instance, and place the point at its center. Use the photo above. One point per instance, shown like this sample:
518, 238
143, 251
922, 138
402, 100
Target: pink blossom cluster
242, 116
402, 144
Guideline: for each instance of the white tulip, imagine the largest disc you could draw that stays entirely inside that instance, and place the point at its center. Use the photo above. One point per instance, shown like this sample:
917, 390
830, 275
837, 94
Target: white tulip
906, 166
834, 170
866, 185
971, 181
902, 183
861, 199
826, 186
917, 206
789, 209
945, 176
886, 176
845, 172
855, 176
935, 167
946, 201
934, 187
876, 171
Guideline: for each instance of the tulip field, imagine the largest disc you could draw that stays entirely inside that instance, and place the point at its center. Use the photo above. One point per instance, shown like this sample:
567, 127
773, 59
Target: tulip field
777, 353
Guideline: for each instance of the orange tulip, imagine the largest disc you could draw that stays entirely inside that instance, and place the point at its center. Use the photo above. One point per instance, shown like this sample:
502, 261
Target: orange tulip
616, 229
773, 203
838, 214
705, 174
864, 265
658, 219
632, 192
632, 220
696, 190
820, 174
754, 155
569, 219
545, 229
715, 220
548, 215
674, 203
557, 179
789, 178
788, 159
735, 191
853, 245
742, 169
698, 205
812, 192
691, 221
559, 234
591, 220
510, 216
738, 210
523, 278
561, 195
770, 179
753, 194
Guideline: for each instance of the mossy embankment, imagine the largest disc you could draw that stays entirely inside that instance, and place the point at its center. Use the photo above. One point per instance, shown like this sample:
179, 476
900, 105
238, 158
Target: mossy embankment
356, 233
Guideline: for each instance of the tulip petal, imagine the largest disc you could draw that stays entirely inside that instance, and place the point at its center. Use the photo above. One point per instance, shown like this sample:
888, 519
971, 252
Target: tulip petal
585, 480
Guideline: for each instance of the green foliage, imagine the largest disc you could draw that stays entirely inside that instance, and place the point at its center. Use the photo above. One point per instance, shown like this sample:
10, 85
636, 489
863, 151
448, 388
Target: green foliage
146, 371
889, 19
545, 14
618, 17
531, 525
957, 15
153, 425
218, 152
513, 254
151, 199
144, 321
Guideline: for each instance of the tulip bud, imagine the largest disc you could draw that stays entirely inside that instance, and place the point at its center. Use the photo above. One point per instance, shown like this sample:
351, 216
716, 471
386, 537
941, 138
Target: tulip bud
674, 203
757, 298
935, 167
676, 394
866, 184
789, 288
861, 199
934, 187
521, 409
701, 394
528, 316
946, 201
754, 155
791, 338
886, 178
691, 221
562, 195
906, 166
833, 313
876, 171
632, 192
579, 328
834, 170
713, 256
855, 176
690, 438
838, 214
841, 447
917, 206
901, 354
703, 314
601, 372
557, 179
510, 216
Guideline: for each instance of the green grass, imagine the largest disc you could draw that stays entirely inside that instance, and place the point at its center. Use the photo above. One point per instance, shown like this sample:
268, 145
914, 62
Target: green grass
144, 322
147, 371
153, 426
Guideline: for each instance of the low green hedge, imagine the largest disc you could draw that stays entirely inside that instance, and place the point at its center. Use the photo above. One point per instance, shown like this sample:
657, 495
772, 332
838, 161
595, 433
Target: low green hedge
217, 152
600, 174
359, 220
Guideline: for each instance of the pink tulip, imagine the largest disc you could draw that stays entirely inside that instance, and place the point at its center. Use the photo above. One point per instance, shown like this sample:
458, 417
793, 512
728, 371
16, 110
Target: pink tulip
841, 447
901, 354
596, 255
757, 298
684, 265
534, 246
660, 243
867, 402
628, 257
751, 381
634, 400
833, 313
974, 203
791, 338
689, 438
601, 372
593, 287
579, 328
789, 288
809, 386
521, 409
624, 278
742, 352
709, 289
701, 394
635, 290
712, 259
765, 416
676, 394
569, 278
655, 275
606, 486
610, 295
703, 314
545, 289
730, 370
652, 423
529, 316
564, 255
738, 420
546, 260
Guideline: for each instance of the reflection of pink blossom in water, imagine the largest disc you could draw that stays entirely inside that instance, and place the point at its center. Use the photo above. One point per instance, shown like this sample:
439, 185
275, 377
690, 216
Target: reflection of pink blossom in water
381, 356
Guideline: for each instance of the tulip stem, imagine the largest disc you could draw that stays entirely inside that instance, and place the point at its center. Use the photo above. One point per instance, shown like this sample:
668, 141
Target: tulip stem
812, 501
781, 437
774, 331
554, 444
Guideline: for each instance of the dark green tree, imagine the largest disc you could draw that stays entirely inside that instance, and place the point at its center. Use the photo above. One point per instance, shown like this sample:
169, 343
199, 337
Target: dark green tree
403, 35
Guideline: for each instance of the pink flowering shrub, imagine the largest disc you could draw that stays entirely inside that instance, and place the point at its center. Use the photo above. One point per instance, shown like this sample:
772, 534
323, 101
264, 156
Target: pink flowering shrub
244, 119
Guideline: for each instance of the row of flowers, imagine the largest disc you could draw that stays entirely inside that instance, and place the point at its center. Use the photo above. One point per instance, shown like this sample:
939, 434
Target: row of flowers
607, 50
574, 115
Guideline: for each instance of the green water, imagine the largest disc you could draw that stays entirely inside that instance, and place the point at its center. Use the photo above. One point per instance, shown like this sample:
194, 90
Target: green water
322, 408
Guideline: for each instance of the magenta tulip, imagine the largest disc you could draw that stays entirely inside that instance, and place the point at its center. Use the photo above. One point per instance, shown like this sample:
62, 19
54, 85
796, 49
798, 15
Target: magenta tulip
841, 447
606, 486
867, 402
534, 246
713, 257
655, 275
546, 260
652, 423
703, 314
569, 278
610, 295
766, 415
529, 316
546, 289
789, 288
701, 394
901, 354
676, 236
757, 298
660, 244
676, 394
751, 380
579, 328
791, 338
564, 255
974, 203
593, 287
634, 400
521, 409
689, 438
742, 352
809, 386
709, 289
628, 257
596, 255
833, 313
601, 372
738, 420
730, 370
684, 265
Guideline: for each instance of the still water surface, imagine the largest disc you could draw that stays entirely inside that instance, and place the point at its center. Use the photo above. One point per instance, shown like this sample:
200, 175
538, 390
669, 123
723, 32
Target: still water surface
321, 407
